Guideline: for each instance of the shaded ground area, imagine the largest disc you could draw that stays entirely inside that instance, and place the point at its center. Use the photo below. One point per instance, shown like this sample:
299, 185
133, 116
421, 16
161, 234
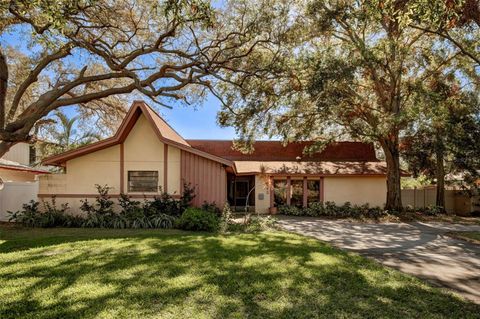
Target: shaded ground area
87, 273
470, 236
422, 249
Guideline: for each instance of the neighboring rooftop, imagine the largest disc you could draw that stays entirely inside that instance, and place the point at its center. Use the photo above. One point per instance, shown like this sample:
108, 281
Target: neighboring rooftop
11, 165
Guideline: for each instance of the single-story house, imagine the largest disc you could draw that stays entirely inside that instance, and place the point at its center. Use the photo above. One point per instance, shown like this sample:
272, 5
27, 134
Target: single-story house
146, 157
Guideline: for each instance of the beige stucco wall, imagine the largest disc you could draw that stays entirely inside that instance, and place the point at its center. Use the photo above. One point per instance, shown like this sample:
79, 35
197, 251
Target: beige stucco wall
16, 176
142, 151
261, 187
101, 167
356, 190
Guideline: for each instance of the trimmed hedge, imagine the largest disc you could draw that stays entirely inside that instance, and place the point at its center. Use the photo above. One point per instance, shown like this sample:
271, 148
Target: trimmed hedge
330, 209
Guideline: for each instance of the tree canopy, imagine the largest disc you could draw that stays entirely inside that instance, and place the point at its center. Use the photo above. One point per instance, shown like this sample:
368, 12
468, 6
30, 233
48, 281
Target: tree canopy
90, 53
352, 70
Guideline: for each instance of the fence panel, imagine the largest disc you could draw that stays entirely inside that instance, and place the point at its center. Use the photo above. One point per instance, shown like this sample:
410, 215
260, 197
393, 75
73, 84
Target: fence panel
14, 195
455, 201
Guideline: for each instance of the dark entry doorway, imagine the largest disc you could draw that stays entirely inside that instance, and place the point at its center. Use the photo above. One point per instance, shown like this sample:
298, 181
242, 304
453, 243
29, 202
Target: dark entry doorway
239, 188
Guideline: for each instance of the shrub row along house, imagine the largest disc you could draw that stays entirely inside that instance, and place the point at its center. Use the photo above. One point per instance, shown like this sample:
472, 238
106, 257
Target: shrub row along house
146, 157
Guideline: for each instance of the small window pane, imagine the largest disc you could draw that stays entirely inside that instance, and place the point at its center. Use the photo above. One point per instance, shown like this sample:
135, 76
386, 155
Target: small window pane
313, 194
280, 192
142, 181
297, 193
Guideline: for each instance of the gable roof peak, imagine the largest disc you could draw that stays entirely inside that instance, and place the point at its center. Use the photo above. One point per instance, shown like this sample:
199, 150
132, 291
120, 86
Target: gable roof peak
162, 129
160, 125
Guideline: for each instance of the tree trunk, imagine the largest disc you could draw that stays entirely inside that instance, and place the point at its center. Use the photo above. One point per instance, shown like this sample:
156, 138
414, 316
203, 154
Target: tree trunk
392, 157
440, 171
4, 147
3, 88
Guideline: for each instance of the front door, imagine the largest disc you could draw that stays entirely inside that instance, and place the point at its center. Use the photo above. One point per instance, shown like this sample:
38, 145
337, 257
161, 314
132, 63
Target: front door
241, 192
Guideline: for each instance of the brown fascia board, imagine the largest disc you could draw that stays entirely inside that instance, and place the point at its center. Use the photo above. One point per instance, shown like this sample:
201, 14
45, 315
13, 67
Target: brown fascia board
20, 169
129, 121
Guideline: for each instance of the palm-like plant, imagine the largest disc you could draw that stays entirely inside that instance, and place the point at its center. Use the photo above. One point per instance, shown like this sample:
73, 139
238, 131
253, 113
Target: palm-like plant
62, 135
66, 135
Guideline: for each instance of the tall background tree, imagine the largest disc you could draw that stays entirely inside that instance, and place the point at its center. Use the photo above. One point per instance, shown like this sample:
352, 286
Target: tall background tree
350, 75
445, 138
88, 53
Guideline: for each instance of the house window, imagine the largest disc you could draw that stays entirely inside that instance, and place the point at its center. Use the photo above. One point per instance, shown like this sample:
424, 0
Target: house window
280, 192
32, 155
313, 191
297, 193
142, 181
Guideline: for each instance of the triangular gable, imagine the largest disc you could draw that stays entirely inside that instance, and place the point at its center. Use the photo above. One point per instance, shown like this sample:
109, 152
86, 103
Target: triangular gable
164, 132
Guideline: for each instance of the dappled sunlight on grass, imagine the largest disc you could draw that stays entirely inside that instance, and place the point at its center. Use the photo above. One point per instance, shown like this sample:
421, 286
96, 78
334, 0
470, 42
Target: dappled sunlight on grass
170, 274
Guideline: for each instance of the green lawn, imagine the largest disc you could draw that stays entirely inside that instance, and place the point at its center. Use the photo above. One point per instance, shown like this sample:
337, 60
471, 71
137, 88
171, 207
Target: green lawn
472, 236
62, 273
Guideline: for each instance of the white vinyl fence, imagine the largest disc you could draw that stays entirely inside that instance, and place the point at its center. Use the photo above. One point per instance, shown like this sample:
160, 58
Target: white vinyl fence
14, 195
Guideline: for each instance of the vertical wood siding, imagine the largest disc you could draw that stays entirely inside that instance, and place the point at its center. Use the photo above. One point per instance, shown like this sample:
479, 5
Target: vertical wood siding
208, 177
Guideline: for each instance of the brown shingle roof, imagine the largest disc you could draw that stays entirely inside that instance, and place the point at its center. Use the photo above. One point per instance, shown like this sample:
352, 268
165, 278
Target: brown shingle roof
276, 151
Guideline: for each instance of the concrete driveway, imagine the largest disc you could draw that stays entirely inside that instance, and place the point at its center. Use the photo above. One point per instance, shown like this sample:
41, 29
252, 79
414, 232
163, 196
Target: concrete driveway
420, 249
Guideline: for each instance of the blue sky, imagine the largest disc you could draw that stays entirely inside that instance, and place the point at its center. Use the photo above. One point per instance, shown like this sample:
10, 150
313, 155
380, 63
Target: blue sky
199, 123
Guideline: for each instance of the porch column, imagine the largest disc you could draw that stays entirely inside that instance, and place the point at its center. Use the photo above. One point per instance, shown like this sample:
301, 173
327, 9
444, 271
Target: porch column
270, 187
289, 189
305, 192
322, 198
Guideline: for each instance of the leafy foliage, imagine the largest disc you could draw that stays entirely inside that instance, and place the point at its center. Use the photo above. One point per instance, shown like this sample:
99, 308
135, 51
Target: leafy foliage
225, 219
165, 203
161, 212
330, 209
51, 216
198, 219
173, 52
211, 207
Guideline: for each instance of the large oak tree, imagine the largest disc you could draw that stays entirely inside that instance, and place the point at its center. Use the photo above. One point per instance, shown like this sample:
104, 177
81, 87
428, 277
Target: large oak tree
350, 72
87, 53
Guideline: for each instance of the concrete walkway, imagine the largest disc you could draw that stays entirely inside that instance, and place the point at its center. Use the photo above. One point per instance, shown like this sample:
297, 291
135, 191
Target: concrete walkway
420, 249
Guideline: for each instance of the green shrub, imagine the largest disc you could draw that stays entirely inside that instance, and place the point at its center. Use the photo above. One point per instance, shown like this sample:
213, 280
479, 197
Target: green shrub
315, 209
198, 219
433, 210
166, 204
225, 219
290, 210
211, 207
99, 214
162, 221
54, 216
260, 223
330, 209
51, 216
29, 216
